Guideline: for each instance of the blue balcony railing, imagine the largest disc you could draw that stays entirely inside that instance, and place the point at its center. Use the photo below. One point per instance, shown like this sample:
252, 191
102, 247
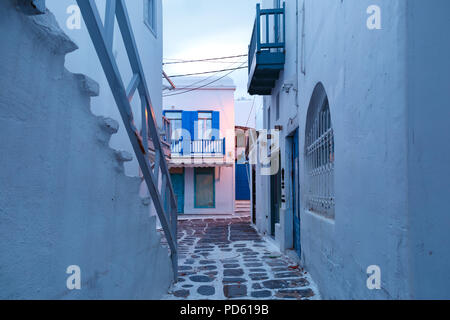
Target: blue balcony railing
266, 53
200, 148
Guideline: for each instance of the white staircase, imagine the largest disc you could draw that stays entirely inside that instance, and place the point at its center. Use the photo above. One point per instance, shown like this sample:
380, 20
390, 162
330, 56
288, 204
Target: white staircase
243, 208
64, 197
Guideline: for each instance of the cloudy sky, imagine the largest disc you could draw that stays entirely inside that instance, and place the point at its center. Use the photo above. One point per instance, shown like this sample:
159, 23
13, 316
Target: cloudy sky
198, 29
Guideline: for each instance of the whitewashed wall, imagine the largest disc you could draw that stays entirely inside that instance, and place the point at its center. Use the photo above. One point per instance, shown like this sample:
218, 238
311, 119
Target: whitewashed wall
64, 197
428, 96
388, 92
85, 61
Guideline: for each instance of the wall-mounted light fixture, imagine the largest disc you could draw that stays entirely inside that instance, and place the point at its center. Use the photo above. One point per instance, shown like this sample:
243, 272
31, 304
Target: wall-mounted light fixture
287, 87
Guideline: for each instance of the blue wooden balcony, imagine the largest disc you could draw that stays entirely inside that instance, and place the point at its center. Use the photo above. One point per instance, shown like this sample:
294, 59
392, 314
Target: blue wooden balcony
198, 148
266, 55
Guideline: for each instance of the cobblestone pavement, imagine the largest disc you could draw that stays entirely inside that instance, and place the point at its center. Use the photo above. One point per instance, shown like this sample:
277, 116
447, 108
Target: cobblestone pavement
227, 259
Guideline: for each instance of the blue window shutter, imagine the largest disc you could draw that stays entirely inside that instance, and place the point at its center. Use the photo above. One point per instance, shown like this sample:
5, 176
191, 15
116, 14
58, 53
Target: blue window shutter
186, 122
216, 125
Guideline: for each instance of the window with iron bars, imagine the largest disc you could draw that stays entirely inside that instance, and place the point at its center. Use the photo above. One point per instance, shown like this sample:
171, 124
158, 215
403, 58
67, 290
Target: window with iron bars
320, 163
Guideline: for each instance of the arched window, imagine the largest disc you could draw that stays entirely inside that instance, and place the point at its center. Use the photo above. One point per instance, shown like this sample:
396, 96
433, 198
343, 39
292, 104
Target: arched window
319, 155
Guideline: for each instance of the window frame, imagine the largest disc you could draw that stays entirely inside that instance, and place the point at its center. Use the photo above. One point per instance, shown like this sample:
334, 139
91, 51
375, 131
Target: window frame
213, 174
154, 28
168, 112
206, 120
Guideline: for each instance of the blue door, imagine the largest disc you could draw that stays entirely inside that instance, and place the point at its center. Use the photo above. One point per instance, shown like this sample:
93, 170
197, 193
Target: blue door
242, 182
295, 192
178, 188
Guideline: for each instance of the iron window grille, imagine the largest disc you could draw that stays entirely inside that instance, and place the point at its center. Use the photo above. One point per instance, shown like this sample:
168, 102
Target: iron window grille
320, 163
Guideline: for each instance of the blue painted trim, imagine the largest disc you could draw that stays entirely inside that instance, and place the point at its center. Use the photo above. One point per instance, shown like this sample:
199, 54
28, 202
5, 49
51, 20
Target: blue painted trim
295, 179
258, 27
188, 120
264, 65
187, 124
215, 124
180, 209
242, 180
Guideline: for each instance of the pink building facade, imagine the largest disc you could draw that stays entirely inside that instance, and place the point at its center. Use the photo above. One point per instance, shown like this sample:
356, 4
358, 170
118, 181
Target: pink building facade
202, 161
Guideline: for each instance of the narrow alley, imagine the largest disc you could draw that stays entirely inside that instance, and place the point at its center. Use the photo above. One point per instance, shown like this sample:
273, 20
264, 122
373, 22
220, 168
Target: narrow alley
224, 151
225, 258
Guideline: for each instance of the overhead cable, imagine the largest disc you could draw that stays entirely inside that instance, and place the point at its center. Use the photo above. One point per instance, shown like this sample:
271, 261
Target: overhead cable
177, 61
207, 72
203, 86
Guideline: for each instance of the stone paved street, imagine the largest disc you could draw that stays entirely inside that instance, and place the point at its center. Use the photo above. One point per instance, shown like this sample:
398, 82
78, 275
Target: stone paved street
227, 259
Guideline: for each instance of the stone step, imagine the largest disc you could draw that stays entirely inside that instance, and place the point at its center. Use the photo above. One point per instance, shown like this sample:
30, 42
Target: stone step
242, 211
243, 204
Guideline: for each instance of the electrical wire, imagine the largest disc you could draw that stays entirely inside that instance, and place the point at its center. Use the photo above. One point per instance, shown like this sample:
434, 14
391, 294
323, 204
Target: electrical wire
197, 82
202, 80
213, 62
207, 72
203, 86
177, 61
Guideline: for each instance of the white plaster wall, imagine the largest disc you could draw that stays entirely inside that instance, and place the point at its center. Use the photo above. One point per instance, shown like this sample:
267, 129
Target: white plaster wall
85, 61
428, 70
364, 73
288, 119
224, 192
262, 204
64, 196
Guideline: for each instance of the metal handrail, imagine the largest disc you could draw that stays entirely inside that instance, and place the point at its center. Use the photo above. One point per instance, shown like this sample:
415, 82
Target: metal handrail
102, 38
